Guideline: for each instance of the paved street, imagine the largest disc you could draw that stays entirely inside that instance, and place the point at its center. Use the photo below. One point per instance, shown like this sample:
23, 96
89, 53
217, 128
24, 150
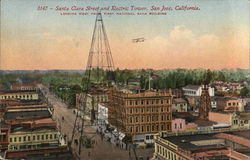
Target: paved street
102, 150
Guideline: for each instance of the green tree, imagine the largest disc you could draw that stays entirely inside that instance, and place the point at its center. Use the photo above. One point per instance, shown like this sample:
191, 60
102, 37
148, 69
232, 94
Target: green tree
244, 91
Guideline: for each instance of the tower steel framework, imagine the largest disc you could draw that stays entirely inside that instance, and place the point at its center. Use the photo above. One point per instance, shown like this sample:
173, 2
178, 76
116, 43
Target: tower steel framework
100, 64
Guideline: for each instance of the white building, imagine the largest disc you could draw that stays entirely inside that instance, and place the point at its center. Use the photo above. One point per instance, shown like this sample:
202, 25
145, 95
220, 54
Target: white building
195, 90
102, 116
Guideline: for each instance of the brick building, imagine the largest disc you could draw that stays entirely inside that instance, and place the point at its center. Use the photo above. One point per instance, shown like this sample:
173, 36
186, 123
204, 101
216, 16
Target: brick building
139, 113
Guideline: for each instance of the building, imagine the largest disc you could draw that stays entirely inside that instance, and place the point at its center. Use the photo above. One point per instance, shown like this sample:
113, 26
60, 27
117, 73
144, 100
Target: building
179, 105
140, 113
180, 124
31, 137
93, 98
195, 90
24, 87
213, 103
235, 119
134, 83
102, 116
4, 132
23, 95
228, 104
177, 93
233, 145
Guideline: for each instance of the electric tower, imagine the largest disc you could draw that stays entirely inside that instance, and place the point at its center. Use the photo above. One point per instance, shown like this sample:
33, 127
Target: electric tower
99, 70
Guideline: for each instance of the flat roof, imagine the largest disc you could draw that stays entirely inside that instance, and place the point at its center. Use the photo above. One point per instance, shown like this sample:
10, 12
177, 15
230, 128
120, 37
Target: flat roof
26, 114
17, 91
185, 141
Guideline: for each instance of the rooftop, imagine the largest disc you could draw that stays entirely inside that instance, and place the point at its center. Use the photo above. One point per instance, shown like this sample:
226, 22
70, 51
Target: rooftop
192, 87
179, 100
26, 115
186, 142
16, 91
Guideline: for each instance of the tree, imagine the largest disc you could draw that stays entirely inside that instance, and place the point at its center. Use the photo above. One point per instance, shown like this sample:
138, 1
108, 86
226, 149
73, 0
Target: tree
244, 91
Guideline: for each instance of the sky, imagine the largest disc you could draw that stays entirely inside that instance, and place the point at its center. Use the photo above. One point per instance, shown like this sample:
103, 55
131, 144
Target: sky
214, 37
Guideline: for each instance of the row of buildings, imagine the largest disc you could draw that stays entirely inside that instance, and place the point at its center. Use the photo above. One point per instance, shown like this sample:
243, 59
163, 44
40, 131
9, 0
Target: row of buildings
230, 145
28, 130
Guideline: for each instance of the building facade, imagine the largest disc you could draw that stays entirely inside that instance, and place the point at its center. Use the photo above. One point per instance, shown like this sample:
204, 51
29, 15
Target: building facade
23, 87
23, 95
140, 113
179, 105
202, 147
196, 90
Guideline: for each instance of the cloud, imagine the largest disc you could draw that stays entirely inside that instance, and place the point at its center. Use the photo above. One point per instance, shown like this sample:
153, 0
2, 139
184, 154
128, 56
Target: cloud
179, 48
185, 49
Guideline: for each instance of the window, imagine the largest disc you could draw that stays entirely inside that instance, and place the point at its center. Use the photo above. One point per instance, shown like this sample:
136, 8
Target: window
153, 128
148, 119
175, 126
38, 137
162, 117
42, 137
168, 127
51, 136
130, 102
142, 118
20, 139
136, 110
161, 101
34, 137
142, 110
24, 138
14, 139
55, 136
142, 102
131, 110
136, 119
10, 140
148, 129
229, 104
47, 136
136, 129
28, 138
142, 128
180, 125
131, 119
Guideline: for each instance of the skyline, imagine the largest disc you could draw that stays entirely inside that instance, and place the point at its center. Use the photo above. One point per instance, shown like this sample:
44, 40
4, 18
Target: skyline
215, 37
